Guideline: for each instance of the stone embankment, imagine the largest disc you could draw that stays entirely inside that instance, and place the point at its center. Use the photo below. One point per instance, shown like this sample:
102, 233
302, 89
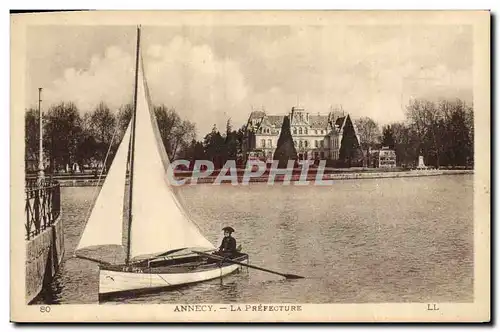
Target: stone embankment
329, 175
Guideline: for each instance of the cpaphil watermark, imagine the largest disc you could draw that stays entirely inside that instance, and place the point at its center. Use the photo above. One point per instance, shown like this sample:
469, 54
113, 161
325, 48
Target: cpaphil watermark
254, 171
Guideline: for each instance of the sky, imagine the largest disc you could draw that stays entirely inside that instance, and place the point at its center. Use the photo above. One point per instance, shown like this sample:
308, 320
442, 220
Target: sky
211, 74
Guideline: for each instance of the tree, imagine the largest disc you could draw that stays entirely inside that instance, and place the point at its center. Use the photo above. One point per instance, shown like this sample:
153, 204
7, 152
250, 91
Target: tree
31, 137
100, 134
102, 123
87, 148
350, 150
231, 142
444, 131
406, 143
194, 151
285, 148
240, 137
175, 132
469, 123
63, 132
124, 117
182, 135
388, 137
368, 131
457, 133
213, 144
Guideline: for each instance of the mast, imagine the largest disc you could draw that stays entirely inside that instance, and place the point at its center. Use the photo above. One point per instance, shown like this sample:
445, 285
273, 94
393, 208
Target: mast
132, 145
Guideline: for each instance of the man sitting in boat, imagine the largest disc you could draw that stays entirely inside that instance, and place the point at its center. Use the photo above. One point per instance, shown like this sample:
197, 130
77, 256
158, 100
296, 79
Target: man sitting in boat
228, 245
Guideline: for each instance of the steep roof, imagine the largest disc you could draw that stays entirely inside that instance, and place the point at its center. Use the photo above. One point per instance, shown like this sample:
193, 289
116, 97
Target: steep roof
340, 121
257, 115
275, 120
318, 121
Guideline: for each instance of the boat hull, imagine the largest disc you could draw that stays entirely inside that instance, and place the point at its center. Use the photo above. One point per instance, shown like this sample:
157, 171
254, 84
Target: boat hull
120, 283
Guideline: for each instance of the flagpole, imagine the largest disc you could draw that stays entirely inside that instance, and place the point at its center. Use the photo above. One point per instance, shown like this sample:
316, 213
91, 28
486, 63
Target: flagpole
40, 152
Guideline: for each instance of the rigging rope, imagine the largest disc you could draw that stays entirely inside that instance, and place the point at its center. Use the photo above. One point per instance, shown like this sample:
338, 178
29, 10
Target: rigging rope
96, 191
169, 284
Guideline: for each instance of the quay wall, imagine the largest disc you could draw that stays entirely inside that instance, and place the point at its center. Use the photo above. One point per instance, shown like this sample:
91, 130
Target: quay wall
350, 176
43, 257
296, 176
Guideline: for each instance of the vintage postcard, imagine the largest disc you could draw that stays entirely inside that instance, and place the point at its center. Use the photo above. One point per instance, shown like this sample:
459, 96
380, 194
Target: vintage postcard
246, 166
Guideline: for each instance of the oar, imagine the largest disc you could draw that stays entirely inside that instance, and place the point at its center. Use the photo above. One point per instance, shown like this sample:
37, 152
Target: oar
288, 276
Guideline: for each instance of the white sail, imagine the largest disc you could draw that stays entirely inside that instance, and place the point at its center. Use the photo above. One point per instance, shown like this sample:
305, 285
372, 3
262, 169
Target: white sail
105, 224
158, 222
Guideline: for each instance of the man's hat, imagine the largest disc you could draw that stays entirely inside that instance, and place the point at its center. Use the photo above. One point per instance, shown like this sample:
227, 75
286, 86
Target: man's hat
229, 229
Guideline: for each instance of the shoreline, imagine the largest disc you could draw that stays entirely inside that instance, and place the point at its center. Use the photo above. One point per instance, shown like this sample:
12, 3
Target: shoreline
311, 177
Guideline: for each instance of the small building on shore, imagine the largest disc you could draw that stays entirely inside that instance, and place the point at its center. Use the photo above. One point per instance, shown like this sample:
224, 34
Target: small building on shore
383, 158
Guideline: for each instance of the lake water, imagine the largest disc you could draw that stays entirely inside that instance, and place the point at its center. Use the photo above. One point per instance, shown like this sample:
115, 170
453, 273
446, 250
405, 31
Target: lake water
357, 241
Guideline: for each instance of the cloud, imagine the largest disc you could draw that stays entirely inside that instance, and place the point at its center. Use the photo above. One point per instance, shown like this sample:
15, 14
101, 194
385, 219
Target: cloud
108, 78
201, 87
370, 71
204, 88
210, 77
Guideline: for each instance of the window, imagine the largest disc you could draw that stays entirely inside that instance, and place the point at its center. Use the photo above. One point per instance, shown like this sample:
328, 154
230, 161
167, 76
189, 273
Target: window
300, 130
305, 131
263, 143
269, 143
295, 143
300, 144
321, 132
267, 130
316, 132
321, 144
305, 144
295, 131
316, 143
322, 155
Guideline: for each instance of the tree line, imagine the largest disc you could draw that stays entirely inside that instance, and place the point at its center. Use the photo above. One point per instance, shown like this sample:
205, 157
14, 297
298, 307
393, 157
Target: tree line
442, 132
70, 137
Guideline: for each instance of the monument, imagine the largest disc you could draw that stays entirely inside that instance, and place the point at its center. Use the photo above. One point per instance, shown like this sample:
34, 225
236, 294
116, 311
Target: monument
421, 164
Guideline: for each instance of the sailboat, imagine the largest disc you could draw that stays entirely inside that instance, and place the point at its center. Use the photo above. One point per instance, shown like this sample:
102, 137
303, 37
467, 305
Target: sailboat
164, 248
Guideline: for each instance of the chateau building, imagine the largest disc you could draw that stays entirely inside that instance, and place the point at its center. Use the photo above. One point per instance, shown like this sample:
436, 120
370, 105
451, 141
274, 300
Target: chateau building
316, 136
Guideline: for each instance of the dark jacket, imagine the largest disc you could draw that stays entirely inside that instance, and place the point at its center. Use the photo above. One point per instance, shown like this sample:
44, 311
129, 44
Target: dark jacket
228, 244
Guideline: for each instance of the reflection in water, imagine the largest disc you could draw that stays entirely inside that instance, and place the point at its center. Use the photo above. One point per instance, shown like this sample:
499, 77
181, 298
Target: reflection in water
357, 241
50, 294
229, 291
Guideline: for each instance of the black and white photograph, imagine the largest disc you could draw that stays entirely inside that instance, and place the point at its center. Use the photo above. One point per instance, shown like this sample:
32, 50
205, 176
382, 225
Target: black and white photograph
251, 166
